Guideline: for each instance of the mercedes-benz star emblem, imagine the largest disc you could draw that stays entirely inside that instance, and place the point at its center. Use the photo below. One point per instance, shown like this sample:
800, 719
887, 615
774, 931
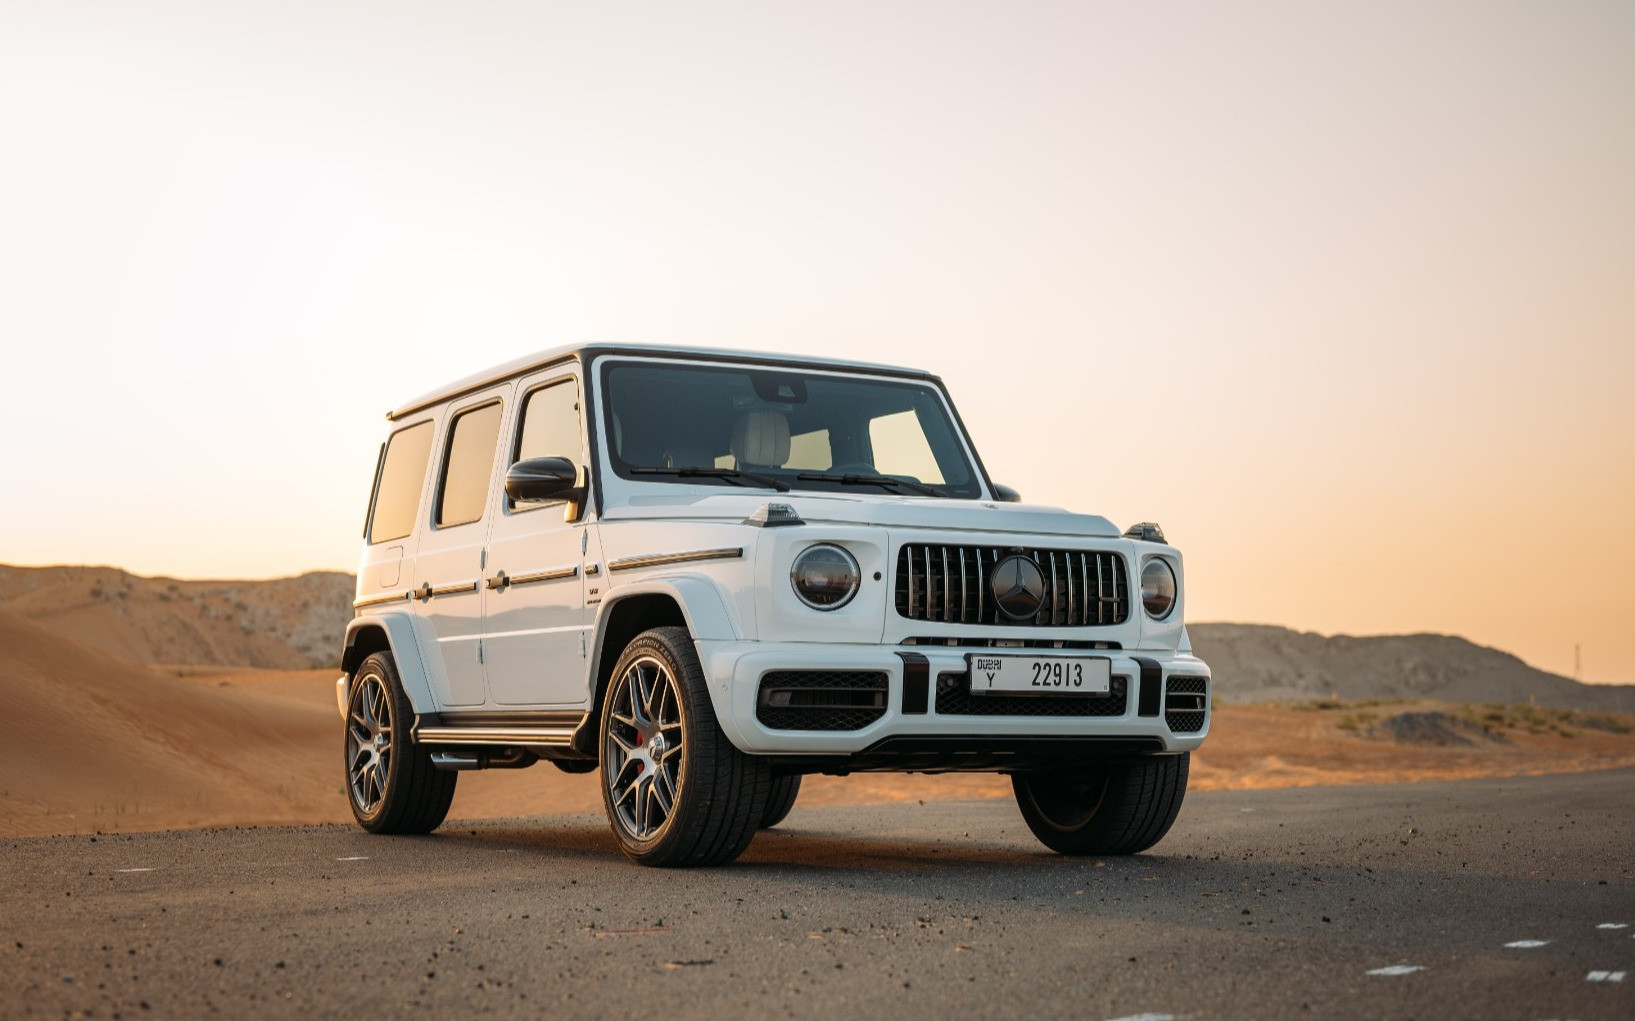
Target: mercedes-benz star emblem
1018, 587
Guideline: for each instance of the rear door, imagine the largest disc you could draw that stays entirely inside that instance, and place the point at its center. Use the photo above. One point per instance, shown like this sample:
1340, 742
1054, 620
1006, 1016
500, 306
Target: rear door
447, 587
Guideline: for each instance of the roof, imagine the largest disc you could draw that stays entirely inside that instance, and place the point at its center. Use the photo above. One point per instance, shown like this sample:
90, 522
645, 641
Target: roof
586, 352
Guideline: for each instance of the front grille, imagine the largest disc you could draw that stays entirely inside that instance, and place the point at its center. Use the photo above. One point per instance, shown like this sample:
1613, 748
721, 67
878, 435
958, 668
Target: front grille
951, 584
954, 698
821, 699
1184, 704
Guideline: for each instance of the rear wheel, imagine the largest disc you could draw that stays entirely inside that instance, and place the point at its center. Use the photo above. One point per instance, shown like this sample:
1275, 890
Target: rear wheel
785, 789
1122, 808
676, 790
390, 781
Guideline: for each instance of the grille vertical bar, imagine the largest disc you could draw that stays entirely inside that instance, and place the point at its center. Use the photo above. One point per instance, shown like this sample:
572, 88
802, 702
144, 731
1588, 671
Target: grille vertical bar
908, 559
947, 608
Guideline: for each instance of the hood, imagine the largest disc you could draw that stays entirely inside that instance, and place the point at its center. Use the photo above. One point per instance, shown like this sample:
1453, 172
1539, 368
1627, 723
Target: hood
845, 508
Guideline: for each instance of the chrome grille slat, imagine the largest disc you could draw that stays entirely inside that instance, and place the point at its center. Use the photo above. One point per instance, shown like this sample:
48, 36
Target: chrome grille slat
930, 585
981, 584
1101, 593
926, 585
1068, 573
909, 557
947, 609
964, 605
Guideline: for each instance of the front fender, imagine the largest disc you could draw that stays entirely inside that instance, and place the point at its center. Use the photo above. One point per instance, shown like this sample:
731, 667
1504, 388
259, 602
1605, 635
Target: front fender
703, 607
400, 631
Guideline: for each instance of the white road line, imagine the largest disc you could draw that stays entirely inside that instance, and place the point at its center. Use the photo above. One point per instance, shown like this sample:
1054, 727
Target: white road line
358, 857
1398, 969
1528, 944
133, 870
1605, 976
1613, 925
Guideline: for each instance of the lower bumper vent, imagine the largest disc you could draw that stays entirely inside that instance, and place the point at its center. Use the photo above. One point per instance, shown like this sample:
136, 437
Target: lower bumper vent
821, 699
954, 698
1185, 704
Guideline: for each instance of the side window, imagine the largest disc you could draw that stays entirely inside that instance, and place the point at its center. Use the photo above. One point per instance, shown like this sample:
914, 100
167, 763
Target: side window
550, 426
468, 466
397, 489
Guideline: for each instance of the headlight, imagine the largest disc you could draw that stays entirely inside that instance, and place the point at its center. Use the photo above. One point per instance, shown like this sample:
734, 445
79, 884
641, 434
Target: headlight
825, 577
1157, 588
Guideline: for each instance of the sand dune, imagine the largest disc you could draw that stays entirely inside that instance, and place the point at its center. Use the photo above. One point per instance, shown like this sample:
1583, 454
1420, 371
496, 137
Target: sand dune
282, 624
90, 741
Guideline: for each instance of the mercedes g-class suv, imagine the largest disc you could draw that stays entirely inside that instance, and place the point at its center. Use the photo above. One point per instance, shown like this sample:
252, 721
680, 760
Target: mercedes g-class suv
703, 574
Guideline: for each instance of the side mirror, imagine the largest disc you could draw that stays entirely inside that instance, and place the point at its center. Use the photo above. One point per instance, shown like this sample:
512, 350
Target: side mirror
1005, 494
546, 480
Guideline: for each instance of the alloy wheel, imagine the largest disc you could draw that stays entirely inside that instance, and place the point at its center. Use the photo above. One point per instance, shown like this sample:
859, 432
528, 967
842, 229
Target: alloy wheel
642, 748
368, 743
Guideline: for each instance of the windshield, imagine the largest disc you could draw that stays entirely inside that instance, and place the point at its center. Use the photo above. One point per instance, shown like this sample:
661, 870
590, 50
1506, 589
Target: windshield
776, 428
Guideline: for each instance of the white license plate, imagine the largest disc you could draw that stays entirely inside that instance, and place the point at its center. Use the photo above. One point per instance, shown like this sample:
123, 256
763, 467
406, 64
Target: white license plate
1040, 675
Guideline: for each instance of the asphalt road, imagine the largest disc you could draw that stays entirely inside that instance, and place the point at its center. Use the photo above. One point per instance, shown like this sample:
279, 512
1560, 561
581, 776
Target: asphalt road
1348, 902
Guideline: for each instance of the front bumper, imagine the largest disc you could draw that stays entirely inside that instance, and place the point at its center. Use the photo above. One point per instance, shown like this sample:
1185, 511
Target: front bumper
912, 729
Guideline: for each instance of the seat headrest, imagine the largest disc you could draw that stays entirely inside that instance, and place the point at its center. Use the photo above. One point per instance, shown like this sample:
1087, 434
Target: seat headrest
761, 438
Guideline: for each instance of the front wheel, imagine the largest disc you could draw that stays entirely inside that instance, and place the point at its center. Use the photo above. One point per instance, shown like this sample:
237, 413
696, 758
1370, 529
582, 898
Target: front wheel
1121, 808
676, 790
390, 781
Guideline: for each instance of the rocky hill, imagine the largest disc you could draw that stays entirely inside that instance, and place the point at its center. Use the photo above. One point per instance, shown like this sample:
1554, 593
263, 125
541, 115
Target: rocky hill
285, 623
1259, 663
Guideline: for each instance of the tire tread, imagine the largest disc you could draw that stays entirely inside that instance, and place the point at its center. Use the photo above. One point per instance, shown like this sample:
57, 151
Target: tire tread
1138, 806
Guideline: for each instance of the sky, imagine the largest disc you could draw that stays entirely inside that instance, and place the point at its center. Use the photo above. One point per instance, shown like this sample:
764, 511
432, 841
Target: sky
1341, 294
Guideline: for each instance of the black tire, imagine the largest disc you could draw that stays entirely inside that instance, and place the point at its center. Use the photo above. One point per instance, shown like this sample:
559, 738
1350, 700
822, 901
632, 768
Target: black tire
677, 792
1106, 809
390, 781
785, 788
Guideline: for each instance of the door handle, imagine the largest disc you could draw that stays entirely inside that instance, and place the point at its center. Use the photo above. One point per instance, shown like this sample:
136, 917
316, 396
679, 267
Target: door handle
499, 581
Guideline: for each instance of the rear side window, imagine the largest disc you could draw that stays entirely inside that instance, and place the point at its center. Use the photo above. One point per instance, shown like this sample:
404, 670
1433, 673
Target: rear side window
469, 466
397, 490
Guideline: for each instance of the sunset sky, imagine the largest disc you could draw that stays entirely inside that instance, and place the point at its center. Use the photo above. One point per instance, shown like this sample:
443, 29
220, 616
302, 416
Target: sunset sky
1342, 294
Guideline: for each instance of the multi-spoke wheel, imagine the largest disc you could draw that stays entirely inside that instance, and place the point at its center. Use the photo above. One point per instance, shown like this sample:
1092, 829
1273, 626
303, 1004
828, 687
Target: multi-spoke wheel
391, 783
1118, 808
677, 792
644, 746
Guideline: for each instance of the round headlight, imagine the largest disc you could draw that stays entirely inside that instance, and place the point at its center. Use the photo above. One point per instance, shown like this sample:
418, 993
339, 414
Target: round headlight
1157, 588
825, 577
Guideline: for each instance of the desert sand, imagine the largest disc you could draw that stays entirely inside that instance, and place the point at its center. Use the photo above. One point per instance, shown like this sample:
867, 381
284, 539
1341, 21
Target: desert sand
90, 742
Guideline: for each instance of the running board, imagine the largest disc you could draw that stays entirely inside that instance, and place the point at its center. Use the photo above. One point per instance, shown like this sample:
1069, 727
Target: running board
556, 737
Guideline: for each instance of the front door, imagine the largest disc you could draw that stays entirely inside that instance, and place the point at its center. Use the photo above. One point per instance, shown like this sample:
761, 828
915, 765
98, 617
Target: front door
535, 618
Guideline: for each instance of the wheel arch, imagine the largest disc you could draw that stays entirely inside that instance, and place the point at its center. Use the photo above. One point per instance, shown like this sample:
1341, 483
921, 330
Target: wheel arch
688, 602
394, 633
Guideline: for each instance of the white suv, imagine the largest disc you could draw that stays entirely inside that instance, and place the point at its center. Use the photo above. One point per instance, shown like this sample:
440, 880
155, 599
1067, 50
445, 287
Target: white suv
706, 573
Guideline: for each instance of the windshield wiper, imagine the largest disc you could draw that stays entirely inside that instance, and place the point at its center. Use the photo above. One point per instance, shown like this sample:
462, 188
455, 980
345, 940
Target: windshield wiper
733, 475
867, 480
